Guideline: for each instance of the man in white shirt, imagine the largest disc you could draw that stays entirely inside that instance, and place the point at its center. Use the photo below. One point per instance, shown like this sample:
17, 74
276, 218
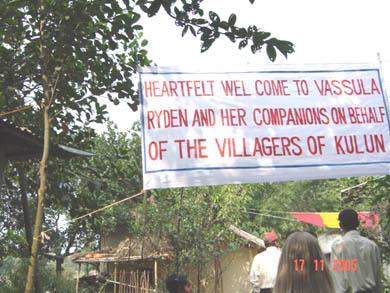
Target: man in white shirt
265, 265
355, 260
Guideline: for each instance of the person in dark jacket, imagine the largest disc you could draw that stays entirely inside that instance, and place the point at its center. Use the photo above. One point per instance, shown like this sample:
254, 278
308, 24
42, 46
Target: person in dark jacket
178, 283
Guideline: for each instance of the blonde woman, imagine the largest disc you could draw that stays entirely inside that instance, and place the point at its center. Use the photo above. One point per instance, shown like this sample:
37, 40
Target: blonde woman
302, 267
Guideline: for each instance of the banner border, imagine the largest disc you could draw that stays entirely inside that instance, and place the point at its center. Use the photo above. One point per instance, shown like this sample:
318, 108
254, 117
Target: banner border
154, 71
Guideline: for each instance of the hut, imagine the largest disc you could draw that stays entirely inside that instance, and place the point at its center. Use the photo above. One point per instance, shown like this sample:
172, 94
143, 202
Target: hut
141, 264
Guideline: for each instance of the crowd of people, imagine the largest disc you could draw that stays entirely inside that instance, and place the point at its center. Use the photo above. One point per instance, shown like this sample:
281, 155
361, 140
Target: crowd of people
300, 266
354, 266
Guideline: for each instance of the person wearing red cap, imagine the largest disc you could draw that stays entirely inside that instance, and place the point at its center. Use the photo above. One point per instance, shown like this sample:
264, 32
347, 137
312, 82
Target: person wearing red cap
265, 265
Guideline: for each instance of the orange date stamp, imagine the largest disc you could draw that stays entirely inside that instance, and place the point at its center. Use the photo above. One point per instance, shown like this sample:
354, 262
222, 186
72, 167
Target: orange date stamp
342, 265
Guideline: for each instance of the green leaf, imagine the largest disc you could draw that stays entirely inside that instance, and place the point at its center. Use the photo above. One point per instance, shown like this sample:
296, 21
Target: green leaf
138, 27
214, 17
242, 44
185, 29
206, 45
193, 31
242, 33
133, 17
231, 37
232, 19
144, 43
271, 52
224, 25
285, 47
154, 7
167, 5
198, 21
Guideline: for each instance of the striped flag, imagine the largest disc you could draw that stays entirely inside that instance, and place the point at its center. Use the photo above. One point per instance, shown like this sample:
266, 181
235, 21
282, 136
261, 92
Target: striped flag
330, 220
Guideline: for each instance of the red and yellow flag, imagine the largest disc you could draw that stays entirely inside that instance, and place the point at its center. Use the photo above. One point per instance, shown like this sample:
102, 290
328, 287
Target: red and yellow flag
330, 220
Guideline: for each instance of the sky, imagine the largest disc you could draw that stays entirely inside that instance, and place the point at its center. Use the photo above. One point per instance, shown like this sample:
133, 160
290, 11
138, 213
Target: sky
331, 31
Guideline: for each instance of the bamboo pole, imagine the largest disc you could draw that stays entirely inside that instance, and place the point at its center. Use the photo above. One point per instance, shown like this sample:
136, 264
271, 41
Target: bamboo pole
155, 275
115, 266
78, 278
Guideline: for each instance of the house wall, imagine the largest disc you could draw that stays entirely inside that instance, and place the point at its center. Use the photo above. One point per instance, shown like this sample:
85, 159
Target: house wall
235, 267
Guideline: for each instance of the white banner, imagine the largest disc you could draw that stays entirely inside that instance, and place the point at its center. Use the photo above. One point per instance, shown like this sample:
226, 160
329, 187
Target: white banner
269, 124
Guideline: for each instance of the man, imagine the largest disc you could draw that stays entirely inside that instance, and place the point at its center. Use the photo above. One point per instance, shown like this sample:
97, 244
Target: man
178, 283
265, 265
355, 260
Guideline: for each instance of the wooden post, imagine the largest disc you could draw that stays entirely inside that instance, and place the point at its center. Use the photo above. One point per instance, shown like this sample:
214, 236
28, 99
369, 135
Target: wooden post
115, 277
77, 280
155, 275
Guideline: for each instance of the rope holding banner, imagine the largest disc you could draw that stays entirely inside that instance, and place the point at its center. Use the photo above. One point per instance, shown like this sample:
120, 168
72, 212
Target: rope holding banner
44, 235
15, 111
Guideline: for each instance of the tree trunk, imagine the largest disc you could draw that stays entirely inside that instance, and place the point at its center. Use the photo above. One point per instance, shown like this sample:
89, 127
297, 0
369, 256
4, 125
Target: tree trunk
59, 262
26, 211
48, 93
27, 221
3, 161
41, 196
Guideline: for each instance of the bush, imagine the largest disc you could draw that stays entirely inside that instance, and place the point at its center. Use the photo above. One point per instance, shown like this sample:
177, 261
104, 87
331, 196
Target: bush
13, 272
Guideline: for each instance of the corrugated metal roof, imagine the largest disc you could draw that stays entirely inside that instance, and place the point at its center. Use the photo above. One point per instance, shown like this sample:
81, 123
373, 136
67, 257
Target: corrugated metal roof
19, 143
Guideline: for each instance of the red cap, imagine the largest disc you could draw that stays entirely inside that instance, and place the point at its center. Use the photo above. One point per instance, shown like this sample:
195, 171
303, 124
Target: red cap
270, 237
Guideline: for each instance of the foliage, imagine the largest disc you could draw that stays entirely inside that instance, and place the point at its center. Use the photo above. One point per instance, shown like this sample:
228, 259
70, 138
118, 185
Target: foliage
114, 173
376, 192
75, 188
13, 276
194, 220
12, 235
271, 202
190, 16
76, 50
76, 53
62, 57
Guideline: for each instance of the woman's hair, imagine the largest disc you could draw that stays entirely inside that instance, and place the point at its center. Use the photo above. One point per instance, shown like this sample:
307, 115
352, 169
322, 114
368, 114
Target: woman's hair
302, 267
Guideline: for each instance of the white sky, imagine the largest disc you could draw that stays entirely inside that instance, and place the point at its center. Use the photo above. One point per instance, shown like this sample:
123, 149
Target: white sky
332, 31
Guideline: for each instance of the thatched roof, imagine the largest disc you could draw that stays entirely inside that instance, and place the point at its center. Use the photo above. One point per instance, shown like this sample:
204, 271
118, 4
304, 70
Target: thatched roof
130, 249
145, 248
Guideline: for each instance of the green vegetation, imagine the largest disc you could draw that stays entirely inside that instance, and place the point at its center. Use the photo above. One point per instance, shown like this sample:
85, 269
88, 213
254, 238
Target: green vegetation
61, 57
194, 220
65, 60
13, 277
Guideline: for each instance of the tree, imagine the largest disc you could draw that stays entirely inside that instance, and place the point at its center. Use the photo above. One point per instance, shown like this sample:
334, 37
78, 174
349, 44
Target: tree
374, 196
75, 188
194, 222
62, 56
271, 202
190, 16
